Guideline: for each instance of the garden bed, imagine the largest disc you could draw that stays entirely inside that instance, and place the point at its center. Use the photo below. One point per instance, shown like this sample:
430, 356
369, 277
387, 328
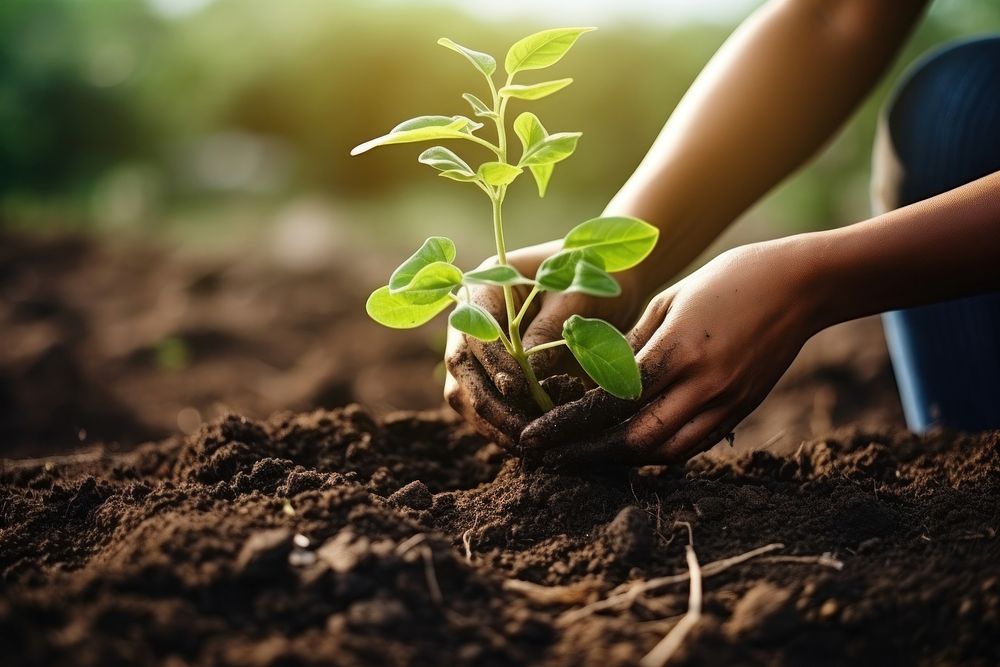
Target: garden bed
334, 537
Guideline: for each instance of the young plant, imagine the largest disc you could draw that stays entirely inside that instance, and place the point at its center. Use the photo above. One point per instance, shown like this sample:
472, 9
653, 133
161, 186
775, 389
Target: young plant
428, 282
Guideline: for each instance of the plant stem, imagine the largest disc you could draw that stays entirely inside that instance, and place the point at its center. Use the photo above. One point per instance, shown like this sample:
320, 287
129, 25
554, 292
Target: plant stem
537, 393
482, 142
515, 347
545, 346
524, 306
501, 130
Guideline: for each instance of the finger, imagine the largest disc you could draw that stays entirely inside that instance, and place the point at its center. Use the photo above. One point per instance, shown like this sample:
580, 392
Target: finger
598, 410
650, 321
459, 402
492, 356
702, 433
545, 327
470, 393
595, 412
645, 433
661, 358
500, 367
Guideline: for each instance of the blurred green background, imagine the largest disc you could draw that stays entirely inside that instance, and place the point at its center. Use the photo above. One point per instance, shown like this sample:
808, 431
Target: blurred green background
226, 124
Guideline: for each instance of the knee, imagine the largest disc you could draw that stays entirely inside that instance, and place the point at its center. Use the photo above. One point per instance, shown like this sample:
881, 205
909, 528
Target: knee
940, 127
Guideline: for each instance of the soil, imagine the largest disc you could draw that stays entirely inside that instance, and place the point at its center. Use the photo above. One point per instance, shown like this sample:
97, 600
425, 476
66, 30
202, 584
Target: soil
353, 535
337, 538
117, 342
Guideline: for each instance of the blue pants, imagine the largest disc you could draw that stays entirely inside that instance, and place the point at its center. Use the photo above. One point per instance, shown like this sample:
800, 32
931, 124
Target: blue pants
943, 127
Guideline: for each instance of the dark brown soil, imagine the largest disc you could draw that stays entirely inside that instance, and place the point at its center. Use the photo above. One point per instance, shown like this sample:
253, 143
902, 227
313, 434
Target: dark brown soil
337, 538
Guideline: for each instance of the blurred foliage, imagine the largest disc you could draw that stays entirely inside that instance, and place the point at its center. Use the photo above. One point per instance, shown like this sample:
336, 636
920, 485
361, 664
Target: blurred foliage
114, 114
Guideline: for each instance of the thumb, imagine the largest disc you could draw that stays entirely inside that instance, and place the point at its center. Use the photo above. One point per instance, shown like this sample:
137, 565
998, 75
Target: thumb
545, 327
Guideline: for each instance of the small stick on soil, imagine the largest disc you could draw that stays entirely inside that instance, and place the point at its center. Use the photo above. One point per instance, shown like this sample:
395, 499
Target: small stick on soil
577, 593
773, 439
629, 593
93, 454
467, 543
826, 560
666, 647
409, 543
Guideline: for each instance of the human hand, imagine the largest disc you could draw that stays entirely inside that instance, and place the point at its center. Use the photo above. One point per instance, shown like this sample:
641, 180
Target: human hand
710, 348
485, 385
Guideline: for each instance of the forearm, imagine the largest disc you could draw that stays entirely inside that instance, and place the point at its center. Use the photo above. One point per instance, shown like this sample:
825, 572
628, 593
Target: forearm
941, 248
771, 96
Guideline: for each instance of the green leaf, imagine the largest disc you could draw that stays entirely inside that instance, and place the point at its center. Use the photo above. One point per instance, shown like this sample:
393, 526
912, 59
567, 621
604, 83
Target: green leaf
620, 241
423, 128
443, 159
530, 131
551, 149
542, 173
475, 321
457, 175
432, 282
535, 91
498, 173
576, 271
434, 249
478, 106
557, 272
396, 312
421, 122
592, 279
541, 49
471, 126
484, 62
605, 355
496, 275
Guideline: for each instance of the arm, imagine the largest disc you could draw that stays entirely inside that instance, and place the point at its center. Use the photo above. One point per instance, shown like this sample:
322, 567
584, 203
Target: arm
769, 98
940, 248
713, 345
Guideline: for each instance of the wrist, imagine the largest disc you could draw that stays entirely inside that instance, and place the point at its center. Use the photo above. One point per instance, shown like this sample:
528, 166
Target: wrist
814, 281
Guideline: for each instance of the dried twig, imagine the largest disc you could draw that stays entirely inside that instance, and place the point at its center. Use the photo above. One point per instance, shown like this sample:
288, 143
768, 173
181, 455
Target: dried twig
467, 543
826, 560
773, 439
627, 594
86, 456
666, 647
577, 593
409, 543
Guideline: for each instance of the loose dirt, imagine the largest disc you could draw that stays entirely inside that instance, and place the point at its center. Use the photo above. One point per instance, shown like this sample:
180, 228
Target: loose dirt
337, 538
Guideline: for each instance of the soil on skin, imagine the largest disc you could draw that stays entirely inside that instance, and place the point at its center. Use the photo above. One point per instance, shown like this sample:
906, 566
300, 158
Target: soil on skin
335, 537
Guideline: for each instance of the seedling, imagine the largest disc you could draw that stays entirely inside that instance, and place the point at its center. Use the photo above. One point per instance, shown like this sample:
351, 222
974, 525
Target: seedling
428, 282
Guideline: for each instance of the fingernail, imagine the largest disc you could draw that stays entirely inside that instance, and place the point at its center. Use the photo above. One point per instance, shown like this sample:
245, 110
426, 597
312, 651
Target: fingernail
528, 443
505, 383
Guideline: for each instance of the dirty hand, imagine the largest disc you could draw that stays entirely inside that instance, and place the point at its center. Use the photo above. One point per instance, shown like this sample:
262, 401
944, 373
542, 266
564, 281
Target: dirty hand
710, 348
484, 384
